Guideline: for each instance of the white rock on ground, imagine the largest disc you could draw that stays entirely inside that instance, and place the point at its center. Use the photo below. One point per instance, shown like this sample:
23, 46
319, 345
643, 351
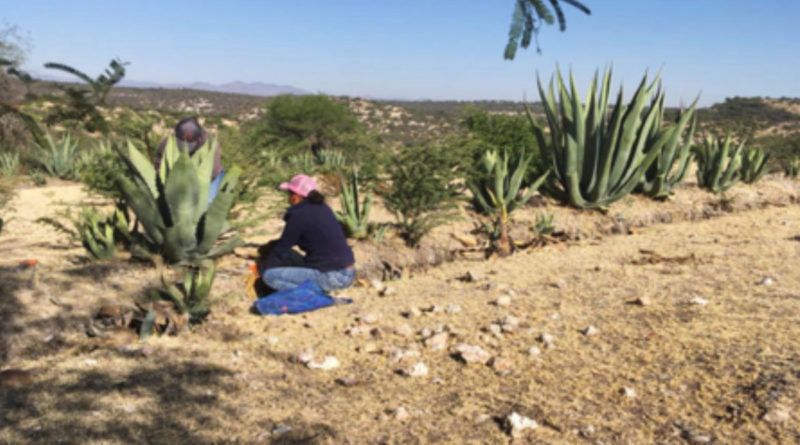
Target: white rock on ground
377, 284
516, 425
534, 350
501, 365
402, 355
412, 312
404, 330
387, 291
452, 309
590, 330
438, 342
548, 340
358, 330
777, 416
766, 281
304, 356
371, 318
494, 329
418, 370
400, 414
627, 392
329, 362
503, 301
425, 332
698, 301
643, 301
472, 353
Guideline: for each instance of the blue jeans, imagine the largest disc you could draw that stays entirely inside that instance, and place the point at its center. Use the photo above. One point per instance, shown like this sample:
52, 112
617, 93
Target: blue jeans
281, 278
213, 188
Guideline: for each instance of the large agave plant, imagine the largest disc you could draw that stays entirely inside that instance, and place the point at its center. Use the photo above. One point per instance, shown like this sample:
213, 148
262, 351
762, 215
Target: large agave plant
599, 153
754, 165
497, 192
59, 159
719, 168
171, 204
676, 154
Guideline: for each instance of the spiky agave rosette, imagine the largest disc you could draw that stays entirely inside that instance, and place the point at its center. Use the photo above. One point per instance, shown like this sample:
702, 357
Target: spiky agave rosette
172, 206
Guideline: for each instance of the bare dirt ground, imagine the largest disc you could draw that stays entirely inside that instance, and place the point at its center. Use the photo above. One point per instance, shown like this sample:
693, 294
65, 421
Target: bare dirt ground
712, 357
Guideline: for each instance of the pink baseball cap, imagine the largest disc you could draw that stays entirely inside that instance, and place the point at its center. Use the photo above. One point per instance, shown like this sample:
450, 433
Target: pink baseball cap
300, 184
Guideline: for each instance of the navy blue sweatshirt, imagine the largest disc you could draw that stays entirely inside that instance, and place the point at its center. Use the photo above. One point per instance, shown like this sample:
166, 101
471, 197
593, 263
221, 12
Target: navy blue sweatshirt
313, 228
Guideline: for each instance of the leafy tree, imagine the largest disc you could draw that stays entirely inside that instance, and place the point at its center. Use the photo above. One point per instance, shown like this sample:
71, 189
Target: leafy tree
15, 123
315, 123
528, 18
79, 106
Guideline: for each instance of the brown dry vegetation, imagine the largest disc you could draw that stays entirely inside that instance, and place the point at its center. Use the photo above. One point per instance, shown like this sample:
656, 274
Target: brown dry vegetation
713, 370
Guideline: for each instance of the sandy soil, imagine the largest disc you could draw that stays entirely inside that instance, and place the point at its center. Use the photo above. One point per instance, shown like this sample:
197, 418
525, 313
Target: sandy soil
723, 372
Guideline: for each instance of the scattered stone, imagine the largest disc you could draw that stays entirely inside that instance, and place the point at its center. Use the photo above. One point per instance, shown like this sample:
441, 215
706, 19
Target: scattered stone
472, 354
402, 355
348, 381
555, 316
503, 301
501, 365
516, 424
377, 284
643, 301
418, 370
304, 357
510, 320
377, 332
472, 277
272, 340
369, 348
548, 340
425, 332
281, 430
587, 431
371, 318
534, 350
465, 240
435, 309
412, 312
482, 418
627, 392
561, 284
590, 331
329, 362
766, 281
777, 416
437, 342
16, 378
90, 361
400, 414
404, 330
494, 329
358, 330
387, 291
452, 309
698, 301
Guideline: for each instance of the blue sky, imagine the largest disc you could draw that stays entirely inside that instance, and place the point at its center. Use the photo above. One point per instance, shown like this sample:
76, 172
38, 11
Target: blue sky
412, 49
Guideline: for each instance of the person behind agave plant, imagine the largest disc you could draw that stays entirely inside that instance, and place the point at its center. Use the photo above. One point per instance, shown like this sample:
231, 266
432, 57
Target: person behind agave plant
312, 226
190, 135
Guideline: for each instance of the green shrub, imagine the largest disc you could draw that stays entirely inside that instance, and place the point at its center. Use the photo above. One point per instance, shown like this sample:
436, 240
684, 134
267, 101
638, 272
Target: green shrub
498, 191
423, 190
59, 159
38, 177
101, 234
100, 167
792, 168
599, 153
718, 168
171, 204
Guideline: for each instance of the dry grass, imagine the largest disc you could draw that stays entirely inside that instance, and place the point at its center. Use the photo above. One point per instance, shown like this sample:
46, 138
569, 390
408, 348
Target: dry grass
710, 370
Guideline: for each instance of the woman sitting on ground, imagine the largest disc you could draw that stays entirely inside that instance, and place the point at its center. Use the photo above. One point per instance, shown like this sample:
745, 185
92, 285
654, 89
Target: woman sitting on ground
312, 226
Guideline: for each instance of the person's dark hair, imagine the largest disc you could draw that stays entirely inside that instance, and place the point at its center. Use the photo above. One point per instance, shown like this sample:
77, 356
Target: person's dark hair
315, 197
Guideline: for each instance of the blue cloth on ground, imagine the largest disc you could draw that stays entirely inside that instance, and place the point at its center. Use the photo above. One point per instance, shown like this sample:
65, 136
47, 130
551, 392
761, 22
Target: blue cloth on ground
307, 296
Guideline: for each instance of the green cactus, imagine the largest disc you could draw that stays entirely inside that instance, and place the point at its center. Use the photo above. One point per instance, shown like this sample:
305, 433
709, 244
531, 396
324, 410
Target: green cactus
171, 204
718, 169
191, 299
599, 154
9, 165
354, 216
58, 159
754, 165
497, 192
676, 155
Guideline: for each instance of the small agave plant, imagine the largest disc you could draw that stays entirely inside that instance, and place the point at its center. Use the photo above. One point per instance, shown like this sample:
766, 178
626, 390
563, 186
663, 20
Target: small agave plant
754, 165
171, 204
354, 216
100, 235
719, 168
59, 159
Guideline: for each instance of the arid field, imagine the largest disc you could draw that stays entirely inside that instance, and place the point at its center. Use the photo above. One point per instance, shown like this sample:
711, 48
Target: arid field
632, 327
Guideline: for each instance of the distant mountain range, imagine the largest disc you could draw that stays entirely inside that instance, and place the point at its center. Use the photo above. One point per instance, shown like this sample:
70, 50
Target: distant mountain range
246, 88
